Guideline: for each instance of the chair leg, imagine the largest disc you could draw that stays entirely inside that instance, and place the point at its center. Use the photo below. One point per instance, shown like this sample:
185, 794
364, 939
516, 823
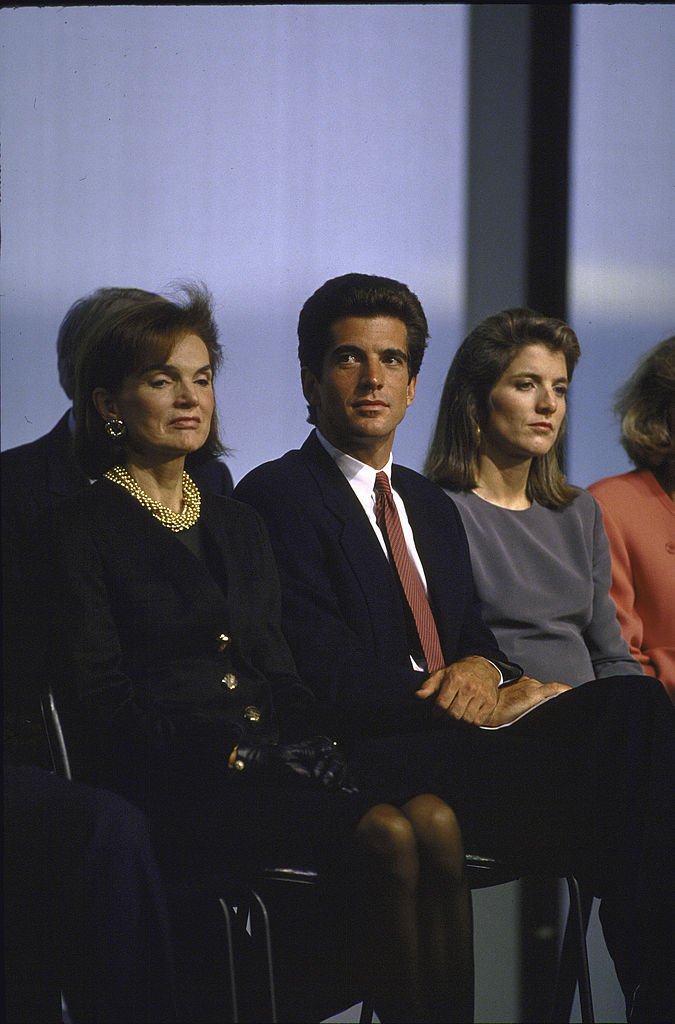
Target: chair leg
582, 911
230, 959
250, 908
366, 1016
269, 962
573, 960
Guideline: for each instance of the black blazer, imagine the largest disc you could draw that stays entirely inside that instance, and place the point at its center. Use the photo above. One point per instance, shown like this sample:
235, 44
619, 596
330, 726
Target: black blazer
34, 479
155, 656
342, 613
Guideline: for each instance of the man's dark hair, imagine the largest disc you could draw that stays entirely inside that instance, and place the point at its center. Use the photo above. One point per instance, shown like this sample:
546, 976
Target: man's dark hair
359, 295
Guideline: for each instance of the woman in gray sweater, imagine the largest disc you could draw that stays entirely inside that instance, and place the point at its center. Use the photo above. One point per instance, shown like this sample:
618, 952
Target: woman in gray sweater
538, 547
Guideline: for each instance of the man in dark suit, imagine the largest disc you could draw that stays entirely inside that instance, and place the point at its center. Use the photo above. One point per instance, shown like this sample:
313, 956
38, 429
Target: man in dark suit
579, 783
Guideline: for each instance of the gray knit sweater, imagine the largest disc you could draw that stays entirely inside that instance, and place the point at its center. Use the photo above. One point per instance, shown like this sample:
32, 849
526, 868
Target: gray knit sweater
543, 579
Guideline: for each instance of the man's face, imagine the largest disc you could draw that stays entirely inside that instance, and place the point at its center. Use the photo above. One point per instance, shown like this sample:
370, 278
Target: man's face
364, 390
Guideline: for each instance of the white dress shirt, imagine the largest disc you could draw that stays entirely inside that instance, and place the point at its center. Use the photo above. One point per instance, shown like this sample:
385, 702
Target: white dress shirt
361, 479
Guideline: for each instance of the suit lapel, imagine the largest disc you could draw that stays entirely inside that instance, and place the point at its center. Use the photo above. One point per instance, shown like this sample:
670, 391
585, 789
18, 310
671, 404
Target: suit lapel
359, 542
339, 498
359, 545
433, 542
421, 522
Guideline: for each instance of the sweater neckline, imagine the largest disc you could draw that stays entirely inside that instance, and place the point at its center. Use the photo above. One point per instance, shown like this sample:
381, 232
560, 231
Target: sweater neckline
504, 508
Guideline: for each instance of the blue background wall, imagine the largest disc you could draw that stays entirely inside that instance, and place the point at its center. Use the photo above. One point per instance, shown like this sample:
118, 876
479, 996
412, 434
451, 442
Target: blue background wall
261, 149
622, 212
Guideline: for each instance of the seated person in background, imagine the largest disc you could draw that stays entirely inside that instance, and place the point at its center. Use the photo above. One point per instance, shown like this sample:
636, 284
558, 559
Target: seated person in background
639, 513
383, 621
84, 907
162, 633
538, 548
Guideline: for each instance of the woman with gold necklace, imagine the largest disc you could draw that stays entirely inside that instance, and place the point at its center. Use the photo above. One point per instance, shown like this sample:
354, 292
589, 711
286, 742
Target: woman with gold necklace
162, 620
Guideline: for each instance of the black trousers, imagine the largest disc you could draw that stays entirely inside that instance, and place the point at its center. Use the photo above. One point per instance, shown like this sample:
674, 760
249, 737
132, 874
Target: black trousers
84, 907
585, 784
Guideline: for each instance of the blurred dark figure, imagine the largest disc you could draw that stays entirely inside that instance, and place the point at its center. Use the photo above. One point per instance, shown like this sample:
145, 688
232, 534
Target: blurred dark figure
84, 907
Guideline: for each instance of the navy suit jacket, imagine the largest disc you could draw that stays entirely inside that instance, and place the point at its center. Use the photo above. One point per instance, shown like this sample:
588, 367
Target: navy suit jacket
342, 612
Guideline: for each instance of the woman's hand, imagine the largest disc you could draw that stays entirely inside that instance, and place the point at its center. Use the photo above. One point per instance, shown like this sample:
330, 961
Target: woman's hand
317, 760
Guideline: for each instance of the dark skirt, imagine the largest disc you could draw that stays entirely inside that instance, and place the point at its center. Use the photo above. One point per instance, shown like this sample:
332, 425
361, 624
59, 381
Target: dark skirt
214, 818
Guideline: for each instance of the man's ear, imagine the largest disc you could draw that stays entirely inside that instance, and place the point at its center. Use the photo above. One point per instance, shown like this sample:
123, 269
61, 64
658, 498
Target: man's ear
412, 385
105, 404
310, 386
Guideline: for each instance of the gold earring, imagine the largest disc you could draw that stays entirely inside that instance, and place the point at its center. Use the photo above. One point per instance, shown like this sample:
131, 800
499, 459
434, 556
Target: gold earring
115, 429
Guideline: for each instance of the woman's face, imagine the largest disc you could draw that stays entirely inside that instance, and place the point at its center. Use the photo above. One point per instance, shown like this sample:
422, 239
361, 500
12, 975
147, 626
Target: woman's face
526, 407
167, 408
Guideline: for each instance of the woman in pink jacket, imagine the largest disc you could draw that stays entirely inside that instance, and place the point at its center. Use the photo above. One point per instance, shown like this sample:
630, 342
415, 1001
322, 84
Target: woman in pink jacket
639, 515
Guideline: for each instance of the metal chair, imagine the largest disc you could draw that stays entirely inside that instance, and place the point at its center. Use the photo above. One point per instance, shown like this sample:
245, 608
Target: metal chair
484, 872
58, 751
244, 909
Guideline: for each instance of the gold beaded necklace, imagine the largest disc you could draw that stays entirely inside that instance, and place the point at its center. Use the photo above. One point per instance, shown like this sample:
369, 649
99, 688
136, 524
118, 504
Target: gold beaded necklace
176, 521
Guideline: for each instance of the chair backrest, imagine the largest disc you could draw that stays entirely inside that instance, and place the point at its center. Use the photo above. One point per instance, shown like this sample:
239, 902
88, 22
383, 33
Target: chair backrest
57, 744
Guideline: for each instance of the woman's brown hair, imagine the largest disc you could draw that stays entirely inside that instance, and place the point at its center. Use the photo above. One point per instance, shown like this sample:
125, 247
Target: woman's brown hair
122, 340
645, 407
484, 355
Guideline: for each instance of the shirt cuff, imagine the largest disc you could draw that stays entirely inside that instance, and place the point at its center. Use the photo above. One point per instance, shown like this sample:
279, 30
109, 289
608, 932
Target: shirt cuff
508, 672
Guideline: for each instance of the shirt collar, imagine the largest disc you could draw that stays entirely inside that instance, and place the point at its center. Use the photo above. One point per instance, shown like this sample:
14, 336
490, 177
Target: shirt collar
360, 476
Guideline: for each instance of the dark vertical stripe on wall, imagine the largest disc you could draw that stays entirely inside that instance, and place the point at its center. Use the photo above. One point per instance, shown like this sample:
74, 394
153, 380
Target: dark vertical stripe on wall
516, 254
548, 158
549, 73
497, 159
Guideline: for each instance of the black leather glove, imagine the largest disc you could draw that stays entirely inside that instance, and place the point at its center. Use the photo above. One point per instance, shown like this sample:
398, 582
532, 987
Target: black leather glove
318, 760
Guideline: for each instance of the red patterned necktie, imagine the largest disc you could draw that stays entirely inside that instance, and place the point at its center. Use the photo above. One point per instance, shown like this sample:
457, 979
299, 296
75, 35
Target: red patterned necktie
387, 519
